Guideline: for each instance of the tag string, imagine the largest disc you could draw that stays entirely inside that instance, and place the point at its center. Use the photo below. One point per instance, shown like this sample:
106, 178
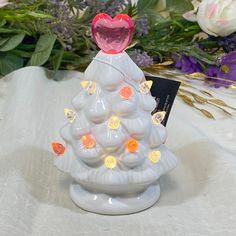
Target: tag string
128, 81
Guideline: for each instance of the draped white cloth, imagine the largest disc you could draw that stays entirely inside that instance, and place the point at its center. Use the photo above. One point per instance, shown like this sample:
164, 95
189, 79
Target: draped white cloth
197, 198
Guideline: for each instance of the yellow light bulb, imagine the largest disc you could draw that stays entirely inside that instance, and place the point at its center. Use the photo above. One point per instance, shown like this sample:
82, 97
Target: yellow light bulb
92, 87
158, 117
70, 115
114, 122
89, 86
145, 86
154, 156
84, 83
110, 162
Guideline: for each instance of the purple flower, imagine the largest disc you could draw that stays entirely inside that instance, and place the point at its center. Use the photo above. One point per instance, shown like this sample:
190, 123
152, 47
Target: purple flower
187, 64
63, 25
142, 26
228, 43
142, 59
100, 5
213, 71
228, 66
226, 71
112, 7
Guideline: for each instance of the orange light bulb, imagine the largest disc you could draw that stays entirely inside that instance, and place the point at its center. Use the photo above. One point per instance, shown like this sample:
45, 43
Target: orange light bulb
88, 141
58, 148
126, 92
132, 145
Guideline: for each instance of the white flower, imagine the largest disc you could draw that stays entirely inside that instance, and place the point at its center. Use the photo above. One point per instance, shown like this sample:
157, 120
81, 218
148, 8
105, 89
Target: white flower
215, 17
3, 3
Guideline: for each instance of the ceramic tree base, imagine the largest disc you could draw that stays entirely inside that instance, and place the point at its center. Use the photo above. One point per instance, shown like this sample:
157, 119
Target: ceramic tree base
100, 197
114, 205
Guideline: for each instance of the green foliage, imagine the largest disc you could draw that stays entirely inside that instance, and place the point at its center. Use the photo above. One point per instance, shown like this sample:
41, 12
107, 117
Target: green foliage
10, 62
43, 50
172, 36
179, 6
144, 5
3, 41
57, 59
24, 15
132, 10
37, 32
155, 17
11, 42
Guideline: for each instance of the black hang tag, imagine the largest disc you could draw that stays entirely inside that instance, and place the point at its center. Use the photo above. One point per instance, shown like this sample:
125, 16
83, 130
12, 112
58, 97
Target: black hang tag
164, 90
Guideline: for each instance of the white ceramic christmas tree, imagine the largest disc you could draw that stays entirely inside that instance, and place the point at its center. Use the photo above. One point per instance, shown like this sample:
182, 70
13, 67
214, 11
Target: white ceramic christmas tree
114, 147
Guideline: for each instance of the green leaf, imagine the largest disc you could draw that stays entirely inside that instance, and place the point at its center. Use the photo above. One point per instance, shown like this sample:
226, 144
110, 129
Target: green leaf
154, 17
23, 15
10, 62
57, 59
3, 40
22, 53
9, 31
12, 43
144, 5
2, 23
43, 50
39, 15
132, 10
179, 6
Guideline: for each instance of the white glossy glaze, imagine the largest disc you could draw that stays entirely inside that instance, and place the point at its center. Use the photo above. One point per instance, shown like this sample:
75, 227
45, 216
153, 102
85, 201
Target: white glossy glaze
132, 185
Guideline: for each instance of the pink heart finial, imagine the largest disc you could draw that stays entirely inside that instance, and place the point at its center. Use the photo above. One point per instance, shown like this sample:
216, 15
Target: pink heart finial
112, 35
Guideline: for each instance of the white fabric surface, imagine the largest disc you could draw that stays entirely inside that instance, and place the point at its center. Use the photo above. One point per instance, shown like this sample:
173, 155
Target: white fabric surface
197, 198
